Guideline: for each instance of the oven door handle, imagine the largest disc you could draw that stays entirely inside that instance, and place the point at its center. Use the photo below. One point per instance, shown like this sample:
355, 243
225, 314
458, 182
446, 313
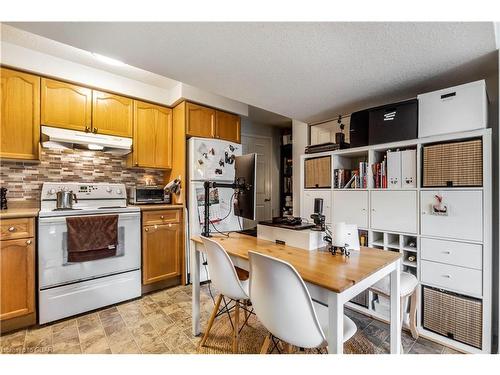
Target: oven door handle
62, 219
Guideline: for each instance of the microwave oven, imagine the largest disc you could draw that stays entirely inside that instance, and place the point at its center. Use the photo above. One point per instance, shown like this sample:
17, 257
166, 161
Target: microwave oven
149, 195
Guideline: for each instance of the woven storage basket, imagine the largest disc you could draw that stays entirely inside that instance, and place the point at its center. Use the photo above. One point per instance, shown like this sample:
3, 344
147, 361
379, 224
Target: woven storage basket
457, 317
456, 164
361, 299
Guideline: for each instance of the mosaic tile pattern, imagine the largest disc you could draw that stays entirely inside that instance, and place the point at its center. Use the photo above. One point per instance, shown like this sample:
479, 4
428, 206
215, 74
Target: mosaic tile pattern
160, 323
24, 179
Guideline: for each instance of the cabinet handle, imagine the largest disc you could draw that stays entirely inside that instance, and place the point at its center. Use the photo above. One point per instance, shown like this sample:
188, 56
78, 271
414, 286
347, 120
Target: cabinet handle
447, 252
95, 130
146, 229
373, 209
169, 225
28, 242
447, 276
162, 217
87, 129
424, 213
136, 164
12, 229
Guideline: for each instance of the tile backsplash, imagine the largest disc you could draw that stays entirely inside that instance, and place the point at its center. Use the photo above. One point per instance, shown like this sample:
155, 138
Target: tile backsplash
24, 179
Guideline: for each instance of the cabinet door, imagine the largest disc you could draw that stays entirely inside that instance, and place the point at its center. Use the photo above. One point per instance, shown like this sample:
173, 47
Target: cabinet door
351, 207
111, 114
227, 127
463, 218
394, 211
307, 205
200, 121
66, 106
152, 136
17, 285
161, 248
19, 115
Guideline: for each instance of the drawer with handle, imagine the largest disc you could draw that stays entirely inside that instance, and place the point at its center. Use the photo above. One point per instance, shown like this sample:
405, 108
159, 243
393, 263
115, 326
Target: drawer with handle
452, 252
161, 217
457, 279
11, 229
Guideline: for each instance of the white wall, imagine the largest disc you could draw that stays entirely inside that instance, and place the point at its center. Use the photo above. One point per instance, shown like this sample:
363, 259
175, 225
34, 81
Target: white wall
299, 135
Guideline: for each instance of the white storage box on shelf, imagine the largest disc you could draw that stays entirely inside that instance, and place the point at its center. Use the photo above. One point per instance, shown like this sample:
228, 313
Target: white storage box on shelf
462, 216
307, 205
455, 109
351, 206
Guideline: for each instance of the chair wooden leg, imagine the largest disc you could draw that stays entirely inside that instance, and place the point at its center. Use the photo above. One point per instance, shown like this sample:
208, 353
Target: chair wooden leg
211, 320
265, 344
236, 326
413, 314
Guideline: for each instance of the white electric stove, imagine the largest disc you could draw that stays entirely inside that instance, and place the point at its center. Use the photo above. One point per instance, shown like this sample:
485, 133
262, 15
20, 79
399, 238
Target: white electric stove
70, 288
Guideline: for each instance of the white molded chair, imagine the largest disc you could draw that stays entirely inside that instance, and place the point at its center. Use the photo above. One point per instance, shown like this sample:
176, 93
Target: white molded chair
225, 279
409, 285
284, 306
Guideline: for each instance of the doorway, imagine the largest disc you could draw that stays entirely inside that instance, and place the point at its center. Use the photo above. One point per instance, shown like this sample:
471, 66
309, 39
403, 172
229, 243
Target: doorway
260, 145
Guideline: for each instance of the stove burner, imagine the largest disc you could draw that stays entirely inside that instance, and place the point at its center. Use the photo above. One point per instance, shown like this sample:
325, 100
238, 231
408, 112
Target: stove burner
66, 209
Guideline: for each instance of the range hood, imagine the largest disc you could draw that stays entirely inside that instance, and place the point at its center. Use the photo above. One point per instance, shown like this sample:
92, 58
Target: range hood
67, 139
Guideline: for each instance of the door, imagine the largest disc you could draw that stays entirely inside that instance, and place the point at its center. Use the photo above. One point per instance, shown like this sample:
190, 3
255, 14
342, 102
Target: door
394, 211
462, 216
227, 127
111, 114
351, 207
20, 115
161, 252
66, 106
17, 270
200, 121
263, 203
307, 205
152, 136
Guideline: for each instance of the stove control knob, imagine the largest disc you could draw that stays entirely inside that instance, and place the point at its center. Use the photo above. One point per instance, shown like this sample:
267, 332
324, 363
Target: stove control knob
52, 191
109, 190
118, 191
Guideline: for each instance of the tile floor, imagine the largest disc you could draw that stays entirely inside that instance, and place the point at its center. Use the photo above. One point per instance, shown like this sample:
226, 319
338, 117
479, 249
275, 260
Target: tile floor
159, 323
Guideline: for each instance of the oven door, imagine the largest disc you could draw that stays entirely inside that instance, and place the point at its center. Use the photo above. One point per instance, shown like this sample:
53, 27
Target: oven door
53, 265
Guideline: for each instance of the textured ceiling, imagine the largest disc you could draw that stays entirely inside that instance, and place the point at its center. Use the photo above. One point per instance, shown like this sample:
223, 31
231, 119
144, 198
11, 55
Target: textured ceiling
306, 71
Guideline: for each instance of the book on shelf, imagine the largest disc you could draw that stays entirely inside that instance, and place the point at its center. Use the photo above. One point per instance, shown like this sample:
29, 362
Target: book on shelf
351, 179
379, 172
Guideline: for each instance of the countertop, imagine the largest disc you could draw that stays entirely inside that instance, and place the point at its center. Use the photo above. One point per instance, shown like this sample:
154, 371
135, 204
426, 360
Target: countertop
156, 207
13, 213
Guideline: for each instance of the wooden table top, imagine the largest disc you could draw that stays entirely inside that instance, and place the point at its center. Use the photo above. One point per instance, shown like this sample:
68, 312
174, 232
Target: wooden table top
333, 272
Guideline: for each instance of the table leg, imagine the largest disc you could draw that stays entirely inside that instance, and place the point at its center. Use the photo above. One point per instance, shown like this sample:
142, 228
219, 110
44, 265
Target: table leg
335, 324
395, 310
195, 281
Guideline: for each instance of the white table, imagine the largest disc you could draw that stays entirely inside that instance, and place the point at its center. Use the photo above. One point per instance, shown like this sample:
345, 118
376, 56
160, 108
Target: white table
349, 277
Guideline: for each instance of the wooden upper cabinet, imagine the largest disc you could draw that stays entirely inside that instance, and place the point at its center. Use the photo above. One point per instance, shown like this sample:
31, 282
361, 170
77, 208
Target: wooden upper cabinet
66, 106
200, 121
152, 136
227, 127
161, 252
17, 271
19, 115
112, 114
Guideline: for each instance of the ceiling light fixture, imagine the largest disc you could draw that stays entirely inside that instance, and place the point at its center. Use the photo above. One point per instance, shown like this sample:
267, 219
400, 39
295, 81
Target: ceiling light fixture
108, 60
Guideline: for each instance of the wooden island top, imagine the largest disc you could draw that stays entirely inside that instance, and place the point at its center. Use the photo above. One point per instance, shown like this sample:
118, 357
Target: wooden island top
319, 267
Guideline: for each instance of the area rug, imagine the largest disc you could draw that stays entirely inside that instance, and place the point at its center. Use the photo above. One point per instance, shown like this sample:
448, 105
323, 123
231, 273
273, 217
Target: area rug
252, 336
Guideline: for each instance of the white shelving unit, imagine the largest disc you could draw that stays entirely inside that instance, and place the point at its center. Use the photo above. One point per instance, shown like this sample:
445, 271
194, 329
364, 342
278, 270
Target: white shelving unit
391, 239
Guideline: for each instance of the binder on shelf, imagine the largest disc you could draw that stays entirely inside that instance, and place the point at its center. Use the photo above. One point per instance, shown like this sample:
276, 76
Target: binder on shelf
394, 169
409, 169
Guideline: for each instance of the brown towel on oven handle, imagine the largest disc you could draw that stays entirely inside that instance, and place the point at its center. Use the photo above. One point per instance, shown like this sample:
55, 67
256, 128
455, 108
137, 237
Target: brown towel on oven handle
91, 237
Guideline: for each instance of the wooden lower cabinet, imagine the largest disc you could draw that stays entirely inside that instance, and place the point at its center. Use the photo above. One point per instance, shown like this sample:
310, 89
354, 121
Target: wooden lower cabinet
17, 282
162, 250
